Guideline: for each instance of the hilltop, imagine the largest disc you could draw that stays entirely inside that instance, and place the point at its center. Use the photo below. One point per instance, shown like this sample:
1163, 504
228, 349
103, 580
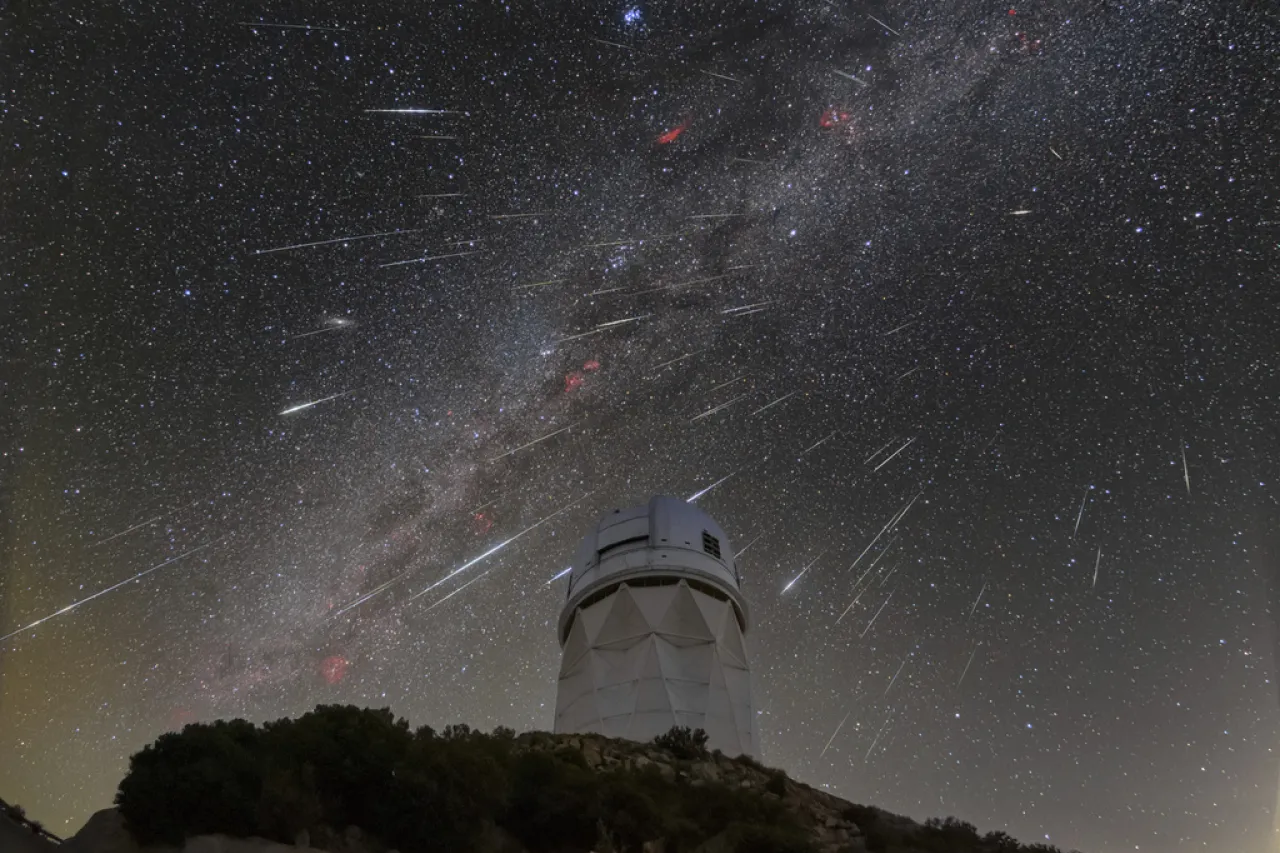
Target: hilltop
348, 780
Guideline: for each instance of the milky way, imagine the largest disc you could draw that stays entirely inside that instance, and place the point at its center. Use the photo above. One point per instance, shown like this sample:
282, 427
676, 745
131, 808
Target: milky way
367, 311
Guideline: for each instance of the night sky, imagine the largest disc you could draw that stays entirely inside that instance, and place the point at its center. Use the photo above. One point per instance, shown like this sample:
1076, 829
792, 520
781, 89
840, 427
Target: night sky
324, 346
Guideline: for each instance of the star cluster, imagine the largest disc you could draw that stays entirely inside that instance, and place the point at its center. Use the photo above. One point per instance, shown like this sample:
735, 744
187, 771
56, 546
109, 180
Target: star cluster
332, 326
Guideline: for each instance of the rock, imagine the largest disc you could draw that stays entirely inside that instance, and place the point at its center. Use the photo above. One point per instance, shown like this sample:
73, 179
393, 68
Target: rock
706, 770
104, 832
591, 752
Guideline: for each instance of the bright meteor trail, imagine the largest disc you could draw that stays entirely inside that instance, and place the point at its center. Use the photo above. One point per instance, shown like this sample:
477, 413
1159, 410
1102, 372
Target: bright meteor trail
103, 592
302, 406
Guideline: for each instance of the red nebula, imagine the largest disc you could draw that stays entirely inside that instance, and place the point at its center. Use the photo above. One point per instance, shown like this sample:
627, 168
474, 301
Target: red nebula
573, 380
833, 118
334, 668
1029, 45
179, 717
482, 523
674, 133
591, 366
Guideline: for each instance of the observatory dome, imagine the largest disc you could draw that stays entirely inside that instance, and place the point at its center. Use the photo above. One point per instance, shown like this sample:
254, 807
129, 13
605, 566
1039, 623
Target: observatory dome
653, 630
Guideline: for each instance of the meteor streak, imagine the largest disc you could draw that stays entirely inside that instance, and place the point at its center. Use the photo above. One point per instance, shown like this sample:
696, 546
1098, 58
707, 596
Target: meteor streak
877, 616
362, 599
613, 44
301, 406
1097, 562
337, 240
130, 530
496, 548
896, 674
976, 600
415, 111
682, 284
424, 260
970, 663
679, 359
458, 590
768, 406
833, 735
697, 495
883, 24
712, 411
331, 325
291, 26
803, 571
748, 545
103, 592
877, 740
867, 461
889, 524
601, 328
840, 618
848, 76
632, 240
885, 550
820, 443
895, 453
730, 382
558, 575
740, 308
721, 76
532, 443
1186, 475
1080, 514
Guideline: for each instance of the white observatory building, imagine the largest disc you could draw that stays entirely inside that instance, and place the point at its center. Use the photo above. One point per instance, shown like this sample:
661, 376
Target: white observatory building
652, 631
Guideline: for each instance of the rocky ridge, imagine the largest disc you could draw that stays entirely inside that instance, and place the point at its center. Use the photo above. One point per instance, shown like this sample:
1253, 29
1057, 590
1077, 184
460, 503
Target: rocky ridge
835, 825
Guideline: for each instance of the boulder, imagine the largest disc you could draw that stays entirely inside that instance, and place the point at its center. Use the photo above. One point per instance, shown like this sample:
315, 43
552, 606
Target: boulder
104, 832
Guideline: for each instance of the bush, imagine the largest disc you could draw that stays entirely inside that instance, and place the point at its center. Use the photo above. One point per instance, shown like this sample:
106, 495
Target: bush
204, 780
553, 804
887, 833
767, 838
341, 766
683, 743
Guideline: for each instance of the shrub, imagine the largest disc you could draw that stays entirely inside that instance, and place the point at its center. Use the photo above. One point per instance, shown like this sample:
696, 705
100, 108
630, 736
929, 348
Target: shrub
767, 838
683, 743
553, 803
204, 780
339, 766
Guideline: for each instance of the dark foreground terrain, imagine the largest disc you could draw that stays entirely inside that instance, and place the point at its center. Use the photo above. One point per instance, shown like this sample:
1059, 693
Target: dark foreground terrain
351, 780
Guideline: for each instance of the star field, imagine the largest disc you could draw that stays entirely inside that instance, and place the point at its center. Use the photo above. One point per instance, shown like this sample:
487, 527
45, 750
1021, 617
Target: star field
332, 327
